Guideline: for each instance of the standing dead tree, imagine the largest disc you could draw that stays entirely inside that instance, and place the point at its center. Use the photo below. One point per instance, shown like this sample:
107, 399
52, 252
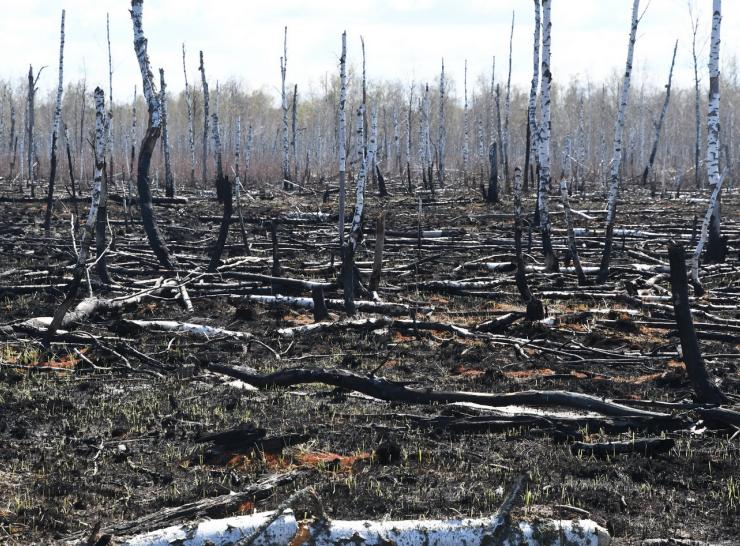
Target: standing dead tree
109, 133
705, 390
30, 122
507, 109
659, 125
442, 128
55, 135
206, 107
87, 233
284, 105
191, 133
294, 132
350, 275
492, 194
697, 100
238, 184
466, 125
716, 245
543, 143
535, 309
704, 236
153, 130
532, 104
169, 180
223, 191
572, 246
342, 136
611, 205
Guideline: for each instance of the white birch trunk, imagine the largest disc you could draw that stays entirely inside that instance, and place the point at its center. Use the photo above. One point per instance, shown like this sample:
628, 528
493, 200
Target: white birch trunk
109, 144
714, 251
248, 151
531, 150
356, 229
544, 141
286, 530
705, 231
611, 205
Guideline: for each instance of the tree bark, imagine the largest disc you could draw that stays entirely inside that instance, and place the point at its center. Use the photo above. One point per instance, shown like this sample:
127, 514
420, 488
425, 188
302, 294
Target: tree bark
55, 135
705, 390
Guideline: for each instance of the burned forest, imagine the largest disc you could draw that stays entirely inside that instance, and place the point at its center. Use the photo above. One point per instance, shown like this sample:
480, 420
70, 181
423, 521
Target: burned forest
465, 307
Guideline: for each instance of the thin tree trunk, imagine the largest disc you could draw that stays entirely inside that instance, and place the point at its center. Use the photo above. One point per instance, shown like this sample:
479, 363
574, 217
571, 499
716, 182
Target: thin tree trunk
237, 185
294, 132
378, 256
206, 107
466, 128
507, 108
169, 180
442, 127
191, 133
697, 98
659, 125
492, 193
284, 105
109, 135
571, 233
55, 135
535, 309
611, 205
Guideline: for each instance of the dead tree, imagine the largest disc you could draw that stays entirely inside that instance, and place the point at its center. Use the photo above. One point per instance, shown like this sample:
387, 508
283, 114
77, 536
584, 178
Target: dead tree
342, 135
109, 133
206, 107
30, 122
87, 234
442, 129
697, 99
350, 275
716, 245
154, 128
397, 141
169, 180
238, 184
659, 125
55, 135
572, 246
611, 205
535, 309
507, 108
543, 143
189, 104
223, 191
378, 255
284, 105
705, 390
294, 132
466, 123
492, 194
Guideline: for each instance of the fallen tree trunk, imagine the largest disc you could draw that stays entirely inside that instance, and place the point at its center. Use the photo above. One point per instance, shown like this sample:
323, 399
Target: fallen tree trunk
392, 391
320, 532
644, 446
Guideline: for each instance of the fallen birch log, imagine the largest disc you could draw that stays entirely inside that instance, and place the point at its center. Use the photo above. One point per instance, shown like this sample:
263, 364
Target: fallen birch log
286, 530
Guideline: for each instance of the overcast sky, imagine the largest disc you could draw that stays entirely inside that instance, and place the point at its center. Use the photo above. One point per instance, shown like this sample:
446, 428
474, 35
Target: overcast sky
405, 39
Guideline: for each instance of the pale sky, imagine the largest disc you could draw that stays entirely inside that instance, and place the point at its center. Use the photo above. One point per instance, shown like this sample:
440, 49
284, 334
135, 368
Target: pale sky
405, 39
